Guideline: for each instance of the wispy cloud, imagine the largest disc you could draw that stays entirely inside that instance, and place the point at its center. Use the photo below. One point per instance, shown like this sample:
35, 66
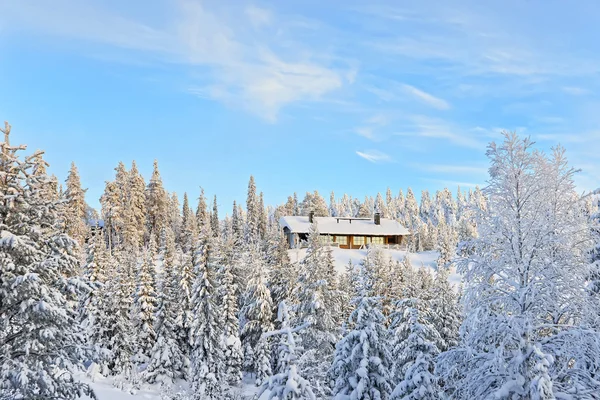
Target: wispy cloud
427, 98
235, 63
374, 156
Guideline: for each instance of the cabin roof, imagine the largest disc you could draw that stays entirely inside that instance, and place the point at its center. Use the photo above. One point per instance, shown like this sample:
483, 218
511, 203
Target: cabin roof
344, 226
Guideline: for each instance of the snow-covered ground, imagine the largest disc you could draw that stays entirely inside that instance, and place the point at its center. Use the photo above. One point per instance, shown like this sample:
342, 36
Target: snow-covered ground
425, 259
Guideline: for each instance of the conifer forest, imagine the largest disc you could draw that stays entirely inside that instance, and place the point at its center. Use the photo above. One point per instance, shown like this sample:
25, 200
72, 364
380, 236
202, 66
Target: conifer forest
163, 295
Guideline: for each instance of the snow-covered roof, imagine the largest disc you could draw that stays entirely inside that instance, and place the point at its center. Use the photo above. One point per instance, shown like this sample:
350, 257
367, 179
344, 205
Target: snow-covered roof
344, 226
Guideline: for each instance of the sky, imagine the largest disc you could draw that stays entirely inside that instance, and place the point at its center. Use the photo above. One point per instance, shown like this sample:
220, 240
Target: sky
349, 96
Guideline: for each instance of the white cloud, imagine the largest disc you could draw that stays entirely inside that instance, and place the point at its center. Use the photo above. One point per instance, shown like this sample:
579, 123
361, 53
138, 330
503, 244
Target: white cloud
374, 156
230, 63
427, 98
258, 16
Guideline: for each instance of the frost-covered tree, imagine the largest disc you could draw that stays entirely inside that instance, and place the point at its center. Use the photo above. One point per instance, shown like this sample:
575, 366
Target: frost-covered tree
189, 227
167, 360
262, 217
234, 356
444, 311
333, 206
413, 350
522, 336
362, 358
287, 384
252, 213
202, 216
316, 203
114, 203
75, 207
145, 306
380, 206
214, 218
366, 208
425, 207
256, 315
40, 341
135, 212
319, 304
175, 219
157, 204
446, 244
206, 336
283, 274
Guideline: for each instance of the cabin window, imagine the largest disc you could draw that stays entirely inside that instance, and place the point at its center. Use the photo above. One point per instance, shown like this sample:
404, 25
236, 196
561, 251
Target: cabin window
377, 240
358, 240
342, 240
325, 239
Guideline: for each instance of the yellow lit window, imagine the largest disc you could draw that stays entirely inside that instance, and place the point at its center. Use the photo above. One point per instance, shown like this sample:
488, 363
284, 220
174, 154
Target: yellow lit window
358, 240
325, 239
377, 240
343, 240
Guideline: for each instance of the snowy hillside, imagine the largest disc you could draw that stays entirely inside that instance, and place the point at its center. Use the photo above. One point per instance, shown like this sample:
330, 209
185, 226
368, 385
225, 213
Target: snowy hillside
343, 256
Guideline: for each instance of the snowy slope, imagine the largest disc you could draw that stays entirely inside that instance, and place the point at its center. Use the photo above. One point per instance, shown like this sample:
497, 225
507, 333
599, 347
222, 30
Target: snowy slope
342, 256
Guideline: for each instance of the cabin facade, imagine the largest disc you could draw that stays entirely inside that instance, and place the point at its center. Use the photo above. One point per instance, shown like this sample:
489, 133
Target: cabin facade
344, 232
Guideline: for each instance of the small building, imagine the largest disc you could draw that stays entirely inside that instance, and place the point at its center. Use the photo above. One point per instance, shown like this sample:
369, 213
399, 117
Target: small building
344, 232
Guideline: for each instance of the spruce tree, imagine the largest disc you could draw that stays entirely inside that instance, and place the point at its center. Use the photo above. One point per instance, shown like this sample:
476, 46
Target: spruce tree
167, 360
75, 208
157, 204
135, 212
40, 341
214, 219
287, 384
362, 359
206, 336
231, 328
256, 315
413, 351
202, 212
145, 306
114, 205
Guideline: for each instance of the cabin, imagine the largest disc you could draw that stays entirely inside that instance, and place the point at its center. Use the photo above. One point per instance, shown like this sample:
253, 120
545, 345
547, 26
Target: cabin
344, 232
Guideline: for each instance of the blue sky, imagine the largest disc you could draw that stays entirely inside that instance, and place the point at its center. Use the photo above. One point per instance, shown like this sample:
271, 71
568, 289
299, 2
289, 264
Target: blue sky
349, 96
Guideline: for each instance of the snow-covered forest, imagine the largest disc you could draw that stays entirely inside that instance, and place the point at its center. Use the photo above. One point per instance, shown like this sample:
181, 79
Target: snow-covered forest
167, 300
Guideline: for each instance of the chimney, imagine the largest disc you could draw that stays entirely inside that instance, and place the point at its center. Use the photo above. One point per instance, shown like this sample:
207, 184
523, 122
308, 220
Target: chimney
377, 218
311, 216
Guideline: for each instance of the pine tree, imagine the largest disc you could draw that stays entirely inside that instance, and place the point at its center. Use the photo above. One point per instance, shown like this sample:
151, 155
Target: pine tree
362, 358
145, 306
262, 217
231, 328
175, 219
113, 202
135, 212
214, 219
189, 229
319, 304
256, 314
40, 342
207, 326
380, 206
166, 360
237, 225
445, 311
287, 384
202, 217
157, 204
74, 213
413, 351
252, 213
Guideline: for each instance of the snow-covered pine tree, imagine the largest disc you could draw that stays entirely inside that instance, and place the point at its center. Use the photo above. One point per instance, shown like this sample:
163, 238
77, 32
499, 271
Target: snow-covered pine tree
40, 341
157, 204
319, 304
145, 305
283, 275
251, 232
522, 337
380, 206
287, 383
446, 244
444, 311
135, 212
175, 219
333, 206
75, 207
202, 217
401, 208
237, 225
206, 337
234, 356
214, 218
189, 229
413, 349
167, 360
366, 208
113, 203
377, 275
256, 314
425, 206
361, 364
390, 204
